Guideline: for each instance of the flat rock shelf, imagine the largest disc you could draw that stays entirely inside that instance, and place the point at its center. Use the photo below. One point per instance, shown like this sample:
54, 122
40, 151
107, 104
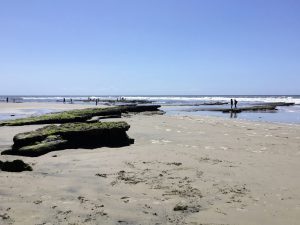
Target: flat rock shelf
79, 115
238, 110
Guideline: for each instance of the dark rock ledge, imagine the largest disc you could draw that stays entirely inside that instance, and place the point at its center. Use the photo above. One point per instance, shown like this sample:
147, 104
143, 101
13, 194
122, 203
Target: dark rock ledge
70, 135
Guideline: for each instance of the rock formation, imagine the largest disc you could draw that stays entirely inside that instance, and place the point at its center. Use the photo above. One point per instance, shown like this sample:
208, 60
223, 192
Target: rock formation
70, 135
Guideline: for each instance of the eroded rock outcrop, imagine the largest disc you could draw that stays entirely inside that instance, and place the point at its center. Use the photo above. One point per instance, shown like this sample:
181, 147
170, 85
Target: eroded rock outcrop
70, 135
79, 115
239, 109
278, 103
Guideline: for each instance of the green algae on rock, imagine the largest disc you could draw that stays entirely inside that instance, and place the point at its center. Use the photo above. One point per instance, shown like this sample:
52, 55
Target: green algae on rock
70, 135
51, 143
78, 115
62, 117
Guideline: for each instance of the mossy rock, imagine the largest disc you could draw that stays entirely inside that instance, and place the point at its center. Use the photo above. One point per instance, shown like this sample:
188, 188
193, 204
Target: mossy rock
63, 117
78, 115
69, 130
51, 143
70, 135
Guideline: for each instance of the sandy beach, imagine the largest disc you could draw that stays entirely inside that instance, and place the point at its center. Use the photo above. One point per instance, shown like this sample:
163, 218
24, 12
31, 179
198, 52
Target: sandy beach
180, 170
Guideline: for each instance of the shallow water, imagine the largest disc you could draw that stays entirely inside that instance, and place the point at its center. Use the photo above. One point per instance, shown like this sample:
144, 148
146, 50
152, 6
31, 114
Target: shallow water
288, 114
22, 113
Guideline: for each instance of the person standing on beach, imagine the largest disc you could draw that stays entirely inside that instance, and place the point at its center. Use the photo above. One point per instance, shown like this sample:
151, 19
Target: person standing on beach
7, 100
64, 100
231, 103
96, 101
71, 101
235, 103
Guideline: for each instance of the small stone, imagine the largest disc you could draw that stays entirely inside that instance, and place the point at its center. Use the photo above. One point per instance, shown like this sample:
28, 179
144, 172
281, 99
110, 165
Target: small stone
15, 166
180, 207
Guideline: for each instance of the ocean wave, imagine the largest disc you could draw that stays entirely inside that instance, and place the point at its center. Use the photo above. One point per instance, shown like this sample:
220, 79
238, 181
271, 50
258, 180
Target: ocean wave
170, 99
216, 98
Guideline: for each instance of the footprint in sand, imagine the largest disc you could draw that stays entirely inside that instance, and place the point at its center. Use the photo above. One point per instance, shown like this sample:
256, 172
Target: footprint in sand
224, 148
168, 130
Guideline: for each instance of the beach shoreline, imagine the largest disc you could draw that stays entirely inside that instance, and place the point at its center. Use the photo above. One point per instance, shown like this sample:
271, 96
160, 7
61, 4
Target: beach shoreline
180, 170
287, 106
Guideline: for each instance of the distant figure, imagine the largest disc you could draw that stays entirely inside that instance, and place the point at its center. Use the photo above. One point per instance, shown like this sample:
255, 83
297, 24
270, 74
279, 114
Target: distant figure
231, 103
96, 101
71, 100
7, 99
235, 103
64, 101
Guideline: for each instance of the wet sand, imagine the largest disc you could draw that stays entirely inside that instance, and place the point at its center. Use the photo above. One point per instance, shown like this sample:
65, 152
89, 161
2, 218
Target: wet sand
31, 107
210, 170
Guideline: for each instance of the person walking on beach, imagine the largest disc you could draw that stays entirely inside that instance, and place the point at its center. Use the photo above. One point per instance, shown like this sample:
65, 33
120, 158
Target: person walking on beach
71, 101
96, 101
235, 103
64, 100
231, 103
7, 100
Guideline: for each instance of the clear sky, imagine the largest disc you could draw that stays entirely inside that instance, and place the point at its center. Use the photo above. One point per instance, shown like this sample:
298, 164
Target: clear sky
102, 47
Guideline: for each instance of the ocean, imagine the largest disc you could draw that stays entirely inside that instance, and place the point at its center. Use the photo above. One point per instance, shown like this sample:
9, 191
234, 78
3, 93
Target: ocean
188, 104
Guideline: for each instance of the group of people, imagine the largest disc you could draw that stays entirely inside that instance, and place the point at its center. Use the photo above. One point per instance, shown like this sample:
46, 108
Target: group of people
233, 101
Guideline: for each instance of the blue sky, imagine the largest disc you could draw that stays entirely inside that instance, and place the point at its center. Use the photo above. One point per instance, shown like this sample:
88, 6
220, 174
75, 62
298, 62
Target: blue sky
149, 47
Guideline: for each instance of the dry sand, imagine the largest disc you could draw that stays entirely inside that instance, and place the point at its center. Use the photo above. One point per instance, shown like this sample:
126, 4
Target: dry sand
219, 171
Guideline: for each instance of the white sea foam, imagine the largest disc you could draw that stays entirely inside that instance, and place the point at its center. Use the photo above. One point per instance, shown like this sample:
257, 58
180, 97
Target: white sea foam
245, 99
283, 114
170, 99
